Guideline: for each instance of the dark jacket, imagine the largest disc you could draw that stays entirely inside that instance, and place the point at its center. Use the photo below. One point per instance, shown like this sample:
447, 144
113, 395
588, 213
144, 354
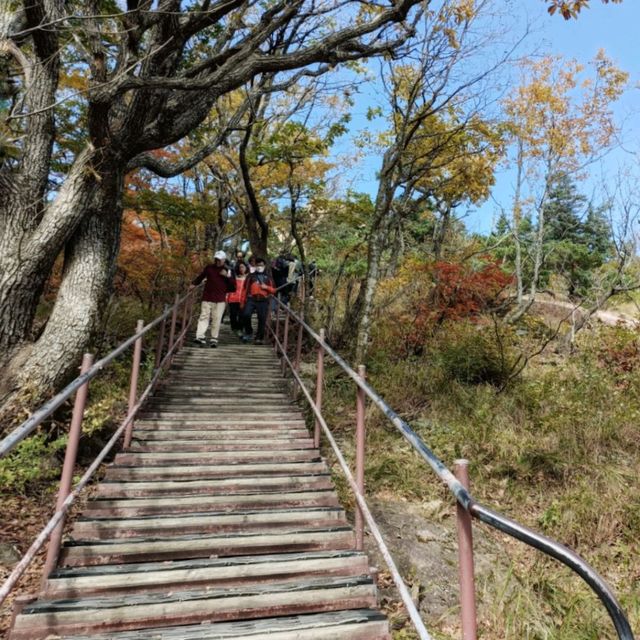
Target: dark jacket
217, 285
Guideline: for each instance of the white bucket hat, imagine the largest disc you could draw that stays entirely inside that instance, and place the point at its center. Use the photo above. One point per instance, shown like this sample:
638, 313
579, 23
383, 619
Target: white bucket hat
220, 255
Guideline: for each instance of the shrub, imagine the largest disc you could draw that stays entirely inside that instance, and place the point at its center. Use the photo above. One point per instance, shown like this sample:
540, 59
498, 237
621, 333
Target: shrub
472, 354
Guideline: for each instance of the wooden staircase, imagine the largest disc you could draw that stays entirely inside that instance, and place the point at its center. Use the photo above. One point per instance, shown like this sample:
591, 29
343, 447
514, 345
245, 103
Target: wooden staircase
219, 522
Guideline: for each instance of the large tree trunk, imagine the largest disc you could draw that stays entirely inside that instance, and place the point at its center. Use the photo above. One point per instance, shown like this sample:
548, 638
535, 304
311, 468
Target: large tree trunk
26, 258
89, 266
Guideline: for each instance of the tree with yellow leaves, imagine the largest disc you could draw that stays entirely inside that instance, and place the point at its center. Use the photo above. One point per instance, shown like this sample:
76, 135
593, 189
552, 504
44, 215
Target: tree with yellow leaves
559, 120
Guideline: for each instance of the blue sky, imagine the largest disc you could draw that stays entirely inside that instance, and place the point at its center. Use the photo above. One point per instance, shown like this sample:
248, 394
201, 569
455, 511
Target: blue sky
613, 27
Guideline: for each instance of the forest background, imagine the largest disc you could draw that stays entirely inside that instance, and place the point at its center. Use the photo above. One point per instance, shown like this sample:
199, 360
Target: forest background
368, 158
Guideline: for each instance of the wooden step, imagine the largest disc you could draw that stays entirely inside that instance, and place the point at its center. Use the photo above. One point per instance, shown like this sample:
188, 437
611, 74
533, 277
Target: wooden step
150, 577
219, 435
221, 422
269, 521
132, 507
192, 446
212, 471
133, 611
217, 457
226, 486
75, 554
225, 414
355, 624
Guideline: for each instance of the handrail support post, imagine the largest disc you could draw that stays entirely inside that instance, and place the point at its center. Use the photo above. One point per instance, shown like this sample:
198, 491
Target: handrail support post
66, 479
161, 333
172, 331
298, 359
319, 389
465, 558
360, 449
133, 386
285, 342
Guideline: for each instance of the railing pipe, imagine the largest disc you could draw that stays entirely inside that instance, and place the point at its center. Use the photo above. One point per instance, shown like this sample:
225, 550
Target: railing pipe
58, 516
405, 596
319, 389
133, 384
70, 457
486, 515
45, 410
465, 559
360, 448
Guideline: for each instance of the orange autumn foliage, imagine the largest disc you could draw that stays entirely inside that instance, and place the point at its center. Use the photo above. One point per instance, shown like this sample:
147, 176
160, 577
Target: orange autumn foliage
439, 292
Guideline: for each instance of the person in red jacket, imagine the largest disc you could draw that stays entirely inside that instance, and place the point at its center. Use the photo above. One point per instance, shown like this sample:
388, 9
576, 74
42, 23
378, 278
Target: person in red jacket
235, 299
259, 286
219, 281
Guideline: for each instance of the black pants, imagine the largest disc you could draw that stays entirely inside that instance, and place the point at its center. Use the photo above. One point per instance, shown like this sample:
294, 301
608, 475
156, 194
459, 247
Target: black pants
236, 317
261, 307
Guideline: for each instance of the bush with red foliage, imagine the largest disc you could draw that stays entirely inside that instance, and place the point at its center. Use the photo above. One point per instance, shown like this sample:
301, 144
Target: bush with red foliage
451, 291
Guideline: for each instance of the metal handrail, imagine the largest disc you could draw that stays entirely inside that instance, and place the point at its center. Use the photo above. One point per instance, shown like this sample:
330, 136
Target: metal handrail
36, 418
58, 516
513, 529
364, 508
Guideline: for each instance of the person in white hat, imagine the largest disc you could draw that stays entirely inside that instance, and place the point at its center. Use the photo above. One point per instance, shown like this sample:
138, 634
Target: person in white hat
219, 281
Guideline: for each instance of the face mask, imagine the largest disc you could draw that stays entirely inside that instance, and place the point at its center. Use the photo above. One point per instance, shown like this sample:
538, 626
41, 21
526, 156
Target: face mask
259, 269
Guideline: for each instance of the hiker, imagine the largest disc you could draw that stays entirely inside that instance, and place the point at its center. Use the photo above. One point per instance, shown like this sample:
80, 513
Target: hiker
252, 263
280, 271
239, 259
234, 299
219, 281
258, 288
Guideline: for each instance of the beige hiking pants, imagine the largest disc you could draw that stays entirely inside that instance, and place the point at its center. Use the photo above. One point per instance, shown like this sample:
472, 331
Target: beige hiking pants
210, 312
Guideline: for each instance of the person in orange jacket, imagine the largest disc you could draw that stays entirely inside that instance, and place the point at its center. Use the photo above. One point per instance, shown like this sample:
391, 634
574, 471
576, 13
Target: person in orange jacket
258, 287
236, 299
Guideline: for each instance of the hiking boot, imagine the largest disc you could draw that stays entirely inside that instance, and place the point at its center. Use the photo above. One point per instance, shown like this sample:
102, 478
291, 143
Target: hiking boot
247, 339
201, 342
213, 344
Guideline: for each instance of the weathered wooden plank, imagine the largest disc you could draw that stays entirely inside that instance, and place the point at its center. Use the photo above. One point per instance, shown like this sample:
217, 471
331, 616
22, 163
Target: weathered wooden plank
185, 574
358, 624
211, 471
139, 550
269, 521
226, 486
188, 607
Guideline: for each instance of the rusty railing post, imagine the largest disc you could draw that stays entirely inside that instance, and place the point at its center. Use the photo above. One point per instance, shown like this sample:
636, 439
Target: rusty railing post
161, 339
285, 342
277, 331
360, 443
133, 386
66, 479
183, 326
319, 389
298, 359
269, 322
465, 558
172, 331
